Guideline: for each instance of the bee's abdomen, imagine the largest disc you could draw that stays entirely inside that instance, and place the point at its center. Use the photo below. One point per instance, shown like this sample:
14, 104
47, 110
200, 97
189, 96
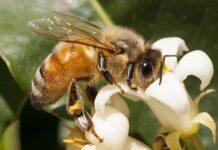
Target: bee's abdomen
40, 95
53, 77
47, 91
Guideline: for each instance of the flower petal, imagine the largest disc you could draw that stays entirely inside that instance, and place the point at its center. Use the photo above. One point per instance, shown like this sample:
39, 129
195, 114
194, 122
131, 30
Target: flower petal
196, 63
167, 117
170, 103
112, 126
205, 119
170, 92
170, 46
103, 97
172, 141
88, 147
133, 144
204, 93
107, 91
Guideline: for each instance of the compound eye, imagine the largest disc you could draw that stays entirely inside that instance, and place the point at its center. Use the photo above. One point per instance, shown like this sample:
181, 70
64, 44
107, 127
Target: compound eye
146, 69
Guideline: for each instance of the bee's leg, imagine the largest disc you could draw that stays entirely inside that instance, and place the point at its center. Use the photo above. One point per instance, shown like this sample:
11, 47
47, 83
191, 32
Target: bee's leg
74, 104
91, 93
129, 75
76, 108
103, 68
85, 123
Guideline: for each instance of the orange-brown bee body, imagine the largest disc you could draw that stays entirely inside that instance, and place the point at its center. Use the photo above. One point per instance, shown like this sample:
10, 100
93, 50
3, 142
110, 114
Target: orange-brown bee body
53, 77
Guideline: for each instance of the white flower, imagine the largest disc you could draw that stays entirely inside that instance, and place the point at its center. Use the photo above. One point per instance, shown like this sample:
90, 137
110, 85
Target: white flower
170, 101
113, 127
171, 46
176, 111
131, 144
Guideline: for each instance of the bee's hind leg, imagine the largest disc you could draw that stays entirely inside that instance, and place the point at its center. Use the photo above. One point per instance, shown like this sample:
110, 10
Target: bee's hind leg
76, 108
74, 104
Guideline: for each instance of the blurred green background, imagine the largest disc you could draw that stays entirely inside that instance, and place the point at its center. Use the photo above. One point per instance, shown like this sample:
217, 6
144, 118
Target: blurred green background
196, 21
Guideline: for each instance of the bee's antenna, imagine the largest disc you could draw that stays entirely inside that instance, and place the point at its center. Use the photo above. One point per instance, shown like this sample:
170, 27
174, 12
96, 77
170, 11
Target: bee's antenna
162, 65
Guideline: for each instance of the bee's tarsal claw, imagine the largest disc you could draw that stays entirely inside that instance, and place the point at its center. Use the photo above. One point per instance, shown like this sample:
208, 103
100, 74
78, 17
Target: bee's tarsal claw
96, 135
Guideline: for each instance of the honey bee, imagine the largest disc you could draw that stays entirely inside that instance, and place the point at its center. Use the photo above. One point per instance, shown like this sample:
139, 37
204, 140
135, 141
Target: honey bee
88, 53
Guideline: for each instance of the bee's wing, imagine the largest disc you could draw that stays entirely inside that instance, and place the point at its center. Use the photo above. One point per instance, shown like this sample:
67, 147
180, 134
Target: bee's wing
67, 28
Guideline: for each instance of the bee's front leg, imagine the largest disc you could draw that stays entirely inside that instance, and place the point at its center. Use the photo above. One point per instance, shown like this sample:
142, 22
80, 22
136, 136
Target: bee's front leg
103, 68
75, 107
129, 75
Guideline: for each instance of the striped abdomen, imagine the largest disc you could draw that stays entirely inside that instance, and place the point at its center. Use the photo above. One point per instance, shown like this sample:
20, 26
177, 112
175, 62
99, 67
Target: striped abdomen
53, 77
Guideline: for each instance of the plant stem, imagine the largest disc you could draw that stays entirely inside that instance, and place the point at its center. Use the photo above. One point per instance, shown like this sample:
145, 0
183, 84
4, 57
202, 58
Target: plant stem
196, 142
101, 12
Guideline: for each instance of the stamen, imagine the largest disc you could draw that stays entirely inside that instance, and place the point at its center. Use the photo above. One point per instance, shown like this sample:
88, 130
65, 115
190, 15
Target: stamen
75, 142
166, 69
76, 137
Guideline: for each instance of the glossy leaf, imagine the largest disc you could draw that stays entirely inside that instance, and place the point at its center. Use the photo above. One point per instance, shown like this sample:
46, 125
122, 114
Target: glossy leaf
11, 98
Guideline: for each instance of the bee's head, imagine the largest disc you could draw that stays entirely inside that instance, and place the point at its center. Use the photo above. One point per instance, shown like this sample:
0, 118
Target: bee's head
149, 67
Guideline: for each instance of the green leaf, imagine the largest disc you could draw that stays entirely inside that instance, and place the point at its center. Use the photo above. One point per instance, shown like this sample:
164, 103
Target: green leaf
18, 48
10, 139
6, 114
11, 98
